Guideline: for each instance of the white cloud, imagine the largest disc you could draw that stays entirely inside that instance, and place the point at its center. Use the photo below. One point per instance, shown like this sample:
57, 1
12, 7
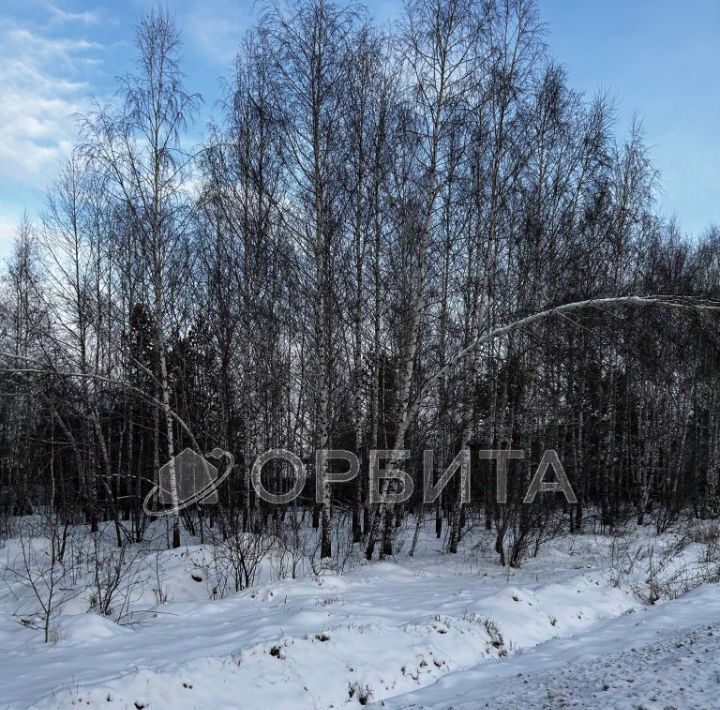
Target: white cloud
42, 87
59, 15
216, 27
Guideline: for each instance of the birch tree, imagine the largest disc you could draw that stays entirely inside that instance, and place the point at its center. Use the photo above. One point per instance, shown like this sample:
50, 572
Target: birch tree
138, 145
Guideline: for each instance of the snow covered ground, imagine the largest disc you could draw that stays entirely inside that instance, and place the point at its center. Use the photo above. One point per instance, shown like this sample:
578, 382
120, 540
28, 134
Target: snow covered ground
571, 627
665, 656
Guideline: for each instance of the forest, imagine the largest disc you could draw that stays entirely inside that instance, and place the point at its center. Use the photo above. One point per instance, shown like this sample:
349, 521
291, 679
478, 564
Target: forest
407, 238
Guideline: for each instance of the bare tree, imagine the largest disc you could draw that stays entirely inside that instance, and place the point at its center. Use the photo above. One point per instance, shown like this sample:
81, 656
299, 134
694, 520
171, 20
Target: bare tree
138, 146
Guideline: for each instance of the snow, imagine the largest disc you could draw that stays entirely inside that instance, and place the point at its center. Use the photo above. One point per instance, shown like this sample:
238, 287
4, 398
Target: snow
664, 656
435, 630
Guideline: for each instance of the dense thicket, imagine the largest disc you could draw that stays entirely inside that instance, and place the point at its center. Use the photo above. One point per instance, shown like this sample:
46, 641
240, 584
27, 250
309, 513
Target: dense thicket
367, 206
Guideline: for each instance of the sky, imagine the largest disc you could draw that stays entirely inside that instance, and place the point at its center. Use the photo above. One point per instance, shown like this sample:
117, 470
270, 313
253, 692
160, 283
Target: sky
659, 60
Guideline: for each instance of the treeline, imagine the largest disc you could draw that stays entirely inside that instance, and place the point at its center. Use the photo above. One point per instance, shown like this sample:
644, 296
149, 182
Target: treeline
367, 206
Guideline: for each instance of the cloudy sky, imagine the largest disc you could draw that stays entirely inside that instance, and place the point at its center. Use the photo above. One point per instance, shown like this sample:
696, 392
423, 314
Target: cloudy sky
657, 58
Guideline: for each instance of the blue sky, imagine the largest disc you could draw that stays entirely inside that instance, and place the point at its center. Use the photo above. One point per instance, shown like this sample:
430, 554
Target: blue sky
657, 58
